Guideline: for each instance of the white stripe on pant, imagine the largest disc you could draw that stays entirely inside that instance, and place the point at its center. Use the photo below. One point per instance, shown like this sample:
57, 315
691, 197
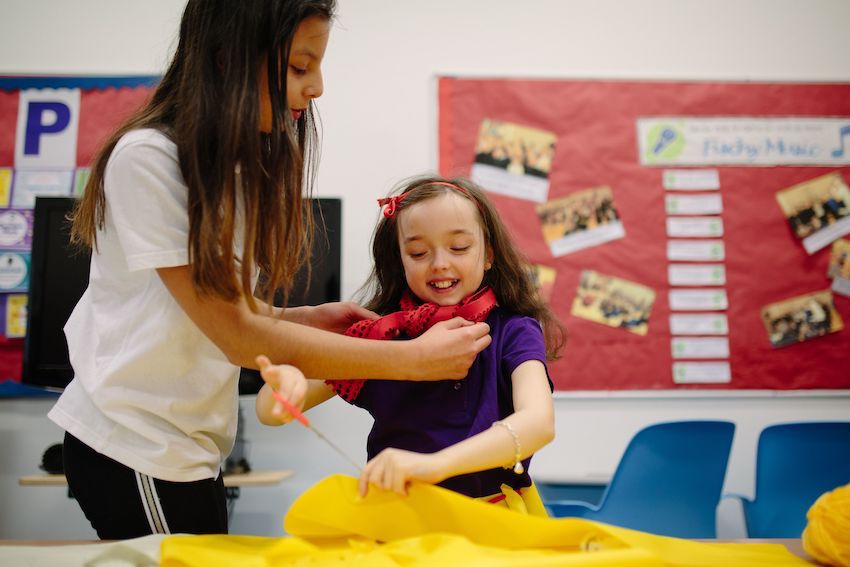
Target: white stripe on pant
150, 503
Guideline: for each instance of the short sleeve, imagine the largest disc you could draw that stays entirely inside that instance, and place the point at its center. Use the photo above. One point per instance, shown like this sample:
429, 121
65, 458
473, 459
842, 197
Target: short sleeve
146, 201
523, 341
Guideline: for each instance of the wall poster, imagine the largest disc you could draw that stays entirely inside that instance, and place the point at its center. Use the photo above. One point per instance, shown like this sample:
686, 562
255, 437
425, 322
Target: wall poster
692, 232
50, 128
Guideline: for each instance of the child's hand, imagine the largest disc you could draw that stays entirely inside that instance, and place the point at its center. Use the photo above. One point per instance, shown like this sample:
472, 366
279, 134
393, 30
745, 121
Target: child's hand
338, 316
393, 469
288, 381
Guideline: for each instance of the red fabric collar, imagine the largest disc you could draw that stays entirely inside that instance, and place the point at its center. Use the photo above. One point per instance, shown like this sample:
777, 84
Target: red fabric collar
413, 320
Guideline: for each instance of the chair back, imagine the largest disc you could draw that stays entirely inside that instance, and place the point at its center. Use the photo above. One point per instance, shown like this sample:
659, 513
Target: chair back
669, 480
795, 464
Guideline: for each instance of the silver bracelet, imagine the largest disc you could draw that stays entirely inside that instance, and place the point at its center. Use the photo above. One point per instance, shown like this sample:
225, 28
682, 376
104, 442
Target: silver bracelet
517, 464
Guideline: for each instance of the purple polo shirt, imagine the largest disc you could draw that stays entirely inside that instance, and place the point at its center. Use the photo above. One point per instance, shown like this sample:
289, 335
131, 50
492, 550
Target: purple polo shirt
428, 416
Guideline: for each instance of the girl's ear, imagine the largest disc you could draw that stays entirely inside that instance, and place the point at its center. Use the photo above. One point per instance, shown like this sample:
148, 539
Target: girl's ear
488, 263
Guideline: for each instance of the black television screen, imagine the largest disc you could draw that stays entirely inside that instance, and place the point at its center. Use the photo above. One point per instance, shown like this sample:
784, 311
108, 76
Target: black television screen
59, 275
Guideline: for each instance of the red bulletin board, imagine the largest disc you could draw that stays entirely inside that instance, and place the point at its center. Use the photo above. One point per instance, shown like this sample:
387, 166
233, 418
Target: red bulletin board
595, 125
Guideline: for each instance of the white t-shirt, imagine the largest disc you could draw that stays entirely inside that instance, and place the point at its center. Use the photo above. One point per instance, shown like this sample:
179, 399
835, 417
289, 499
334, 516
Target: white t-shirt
150, 390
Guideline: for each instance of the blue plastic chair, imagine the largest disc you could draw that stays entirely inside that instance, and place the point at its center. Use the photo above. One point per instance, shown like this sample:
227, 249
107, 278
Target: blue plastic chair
668, 481
795, 464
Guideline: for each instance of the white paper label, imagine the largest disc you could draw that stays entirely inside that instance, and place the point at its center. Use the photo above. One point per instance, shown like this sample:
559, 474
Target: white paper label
711, 204
691, 179
690, 227
696, 274
497, 180
700, 347
741, 140
587, 238
696, 250
698, 300
701, 373
699, 324
826, 236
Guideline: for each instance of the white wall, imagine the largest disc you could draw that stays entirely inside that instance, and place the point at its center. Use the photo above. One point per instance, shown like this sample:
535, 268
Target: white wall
379, 112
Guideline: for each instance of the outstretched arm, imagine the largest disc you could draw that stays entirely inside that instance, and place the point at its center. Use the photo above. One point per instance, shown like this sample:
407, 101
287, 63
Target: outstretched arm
533, 421
335, 317
444, 351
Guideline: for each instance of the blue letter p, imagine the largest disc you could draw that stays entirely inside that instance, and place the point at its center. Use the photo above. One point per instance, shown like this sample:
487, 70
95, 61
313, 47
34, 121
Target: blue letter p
36, 127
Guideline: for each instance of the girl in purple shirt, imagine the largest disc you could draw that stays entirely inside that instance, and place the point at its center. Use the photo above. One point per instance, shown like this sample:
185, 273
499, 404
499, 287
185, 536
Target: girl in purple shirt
441, 251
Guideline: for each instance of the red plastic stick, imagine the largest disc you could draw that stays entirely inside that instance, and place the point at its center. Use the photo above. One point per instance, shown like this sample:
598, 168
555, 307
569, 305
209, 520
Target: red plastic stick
306, 423
291, 409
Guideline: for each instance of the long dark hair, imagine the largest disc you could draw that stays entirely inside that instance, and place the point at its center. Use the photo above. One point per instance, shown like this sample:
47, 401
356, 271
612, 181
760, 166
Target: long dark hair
508, 276
208, 104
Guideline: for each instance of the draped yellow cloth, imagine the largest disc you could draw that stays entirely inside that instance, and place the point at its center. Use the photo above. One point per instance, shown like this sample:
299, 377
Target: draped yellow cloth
332, 525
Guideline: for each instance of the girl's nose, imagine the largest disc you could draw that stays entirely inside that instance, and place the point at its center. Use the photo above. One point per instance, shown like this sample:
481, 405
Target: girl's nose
441, 260
315, 88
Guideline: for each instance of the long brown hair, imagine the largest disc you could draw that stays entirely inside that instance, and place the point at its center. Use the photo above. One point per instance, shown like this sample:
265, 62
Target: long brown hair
508, 277
208, 104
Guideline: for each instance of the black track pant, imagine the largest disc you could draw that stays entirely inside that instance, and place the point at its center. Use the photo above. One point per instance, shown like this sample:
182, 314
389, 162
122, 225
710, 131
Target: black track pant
122, 503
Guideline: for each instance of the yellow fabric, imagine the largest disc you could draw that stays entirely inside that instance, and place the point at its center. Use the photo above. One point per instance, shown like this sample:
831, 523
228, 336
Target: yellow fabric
444, 550
527, 502
333, 525
827, 533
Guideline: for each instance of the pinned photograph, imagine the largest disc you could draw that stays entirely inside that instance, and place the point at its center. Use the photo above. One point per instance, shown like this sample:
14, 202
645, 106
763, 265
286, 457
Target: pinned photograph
818, 211
613, 302
581, 220
543, 278
839, 267
513, 160
801, 318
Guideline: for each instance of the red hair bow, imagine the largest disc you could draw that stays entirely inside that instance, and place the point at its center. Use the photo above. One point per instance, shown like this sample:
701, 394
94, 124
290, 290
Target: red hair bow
390, 205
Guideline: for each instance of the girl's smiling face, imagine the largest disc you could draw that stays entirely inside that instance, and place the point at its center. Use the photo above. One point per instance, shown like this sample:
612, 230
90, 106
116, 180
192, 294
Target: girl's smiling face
442, 248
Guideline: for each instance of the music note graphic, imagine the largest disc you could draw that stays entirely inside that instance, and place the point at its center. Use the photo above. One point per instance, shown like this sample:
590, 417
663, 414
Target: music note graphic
843, 132
665, 139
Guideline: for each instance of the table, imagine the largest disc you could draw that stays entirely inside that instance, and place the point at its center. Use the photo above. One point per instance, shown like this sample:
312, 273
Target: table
81, 553
794, 545
232, 482
253, 478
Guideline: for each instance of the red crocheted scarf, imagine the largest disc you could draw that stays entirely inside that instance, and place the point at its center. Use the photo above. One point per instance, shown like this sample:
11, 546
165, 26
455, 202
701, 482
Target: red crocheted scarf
413, 320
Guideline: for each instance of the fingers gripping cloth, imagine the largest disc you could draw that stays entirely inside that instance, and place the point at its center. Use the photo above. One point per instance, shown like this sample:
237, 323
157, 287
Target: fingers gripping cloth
413, 320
